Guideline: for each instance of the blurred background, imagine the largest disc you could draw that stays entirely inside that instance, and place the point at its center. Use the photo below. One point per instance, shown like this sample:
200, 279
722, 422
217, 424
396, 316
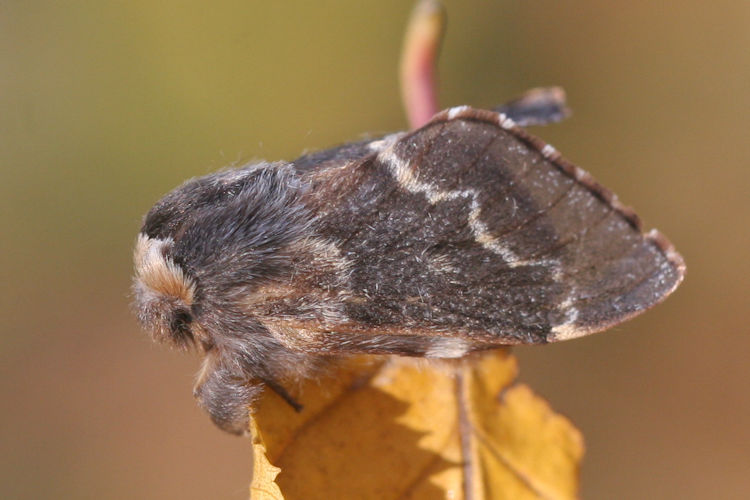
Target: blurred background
105, 106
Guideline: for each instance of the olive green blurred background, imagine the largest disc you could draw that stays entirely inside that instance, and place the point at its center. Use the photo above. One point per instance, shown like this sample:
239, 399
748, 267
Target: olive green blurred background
105, 106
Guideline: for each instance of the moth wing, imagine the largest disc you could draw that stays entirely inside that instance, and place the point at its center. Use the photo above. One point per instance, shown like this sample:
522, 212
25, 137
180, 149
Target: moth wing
470, 227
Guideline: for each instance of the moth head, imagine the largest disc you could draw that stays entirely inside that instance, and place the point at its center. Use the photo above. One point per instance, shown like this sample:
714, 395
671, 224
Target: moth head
164, 293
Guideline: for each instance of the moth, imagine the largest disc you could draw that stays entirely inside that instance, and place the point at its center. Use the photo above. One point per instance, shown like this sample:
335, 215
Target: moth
466, 234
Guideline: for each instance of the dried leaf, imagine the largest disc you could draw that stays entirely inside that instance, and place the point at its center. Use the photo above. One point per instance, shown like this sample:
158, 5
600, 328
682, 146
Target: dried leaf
403, 428
262, 487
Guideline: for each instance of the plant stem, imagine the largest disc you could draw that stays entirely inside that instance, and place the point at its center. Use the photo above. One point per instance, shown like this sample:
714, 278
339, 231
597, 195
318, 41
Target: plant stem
418, 73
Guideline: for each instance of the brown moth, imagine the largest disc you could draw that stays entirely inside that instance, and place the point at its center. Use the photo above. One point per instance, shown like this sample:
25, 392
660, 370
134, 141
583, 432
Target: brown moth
463, 235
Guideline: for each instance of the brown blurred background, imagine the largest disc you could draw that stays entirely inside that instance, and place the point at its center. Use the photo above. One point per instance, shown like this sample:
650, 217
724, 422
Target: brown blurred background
105, 106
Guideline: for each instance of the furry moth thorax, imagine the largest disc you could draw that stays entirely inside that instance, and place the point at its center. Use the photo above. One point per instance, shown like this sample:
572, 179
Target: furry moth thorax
205, 260
209, 242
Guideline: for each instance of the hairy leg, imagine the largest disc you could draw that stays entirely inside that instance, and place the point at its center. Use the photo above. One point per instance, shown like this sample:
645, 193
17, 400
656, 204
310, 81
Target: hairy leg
225, 396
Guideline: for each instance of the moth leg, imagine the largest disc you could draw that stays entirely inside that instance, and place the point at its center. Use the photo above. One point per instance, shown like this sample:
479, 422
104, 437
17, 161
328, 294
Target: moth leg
225, 396
538, 106
279, 389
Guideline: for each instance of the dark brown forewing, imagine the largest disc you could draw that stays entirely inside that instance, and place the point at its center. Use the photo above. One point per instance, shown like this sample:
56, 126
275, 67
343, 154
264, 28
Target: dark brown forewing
471, 227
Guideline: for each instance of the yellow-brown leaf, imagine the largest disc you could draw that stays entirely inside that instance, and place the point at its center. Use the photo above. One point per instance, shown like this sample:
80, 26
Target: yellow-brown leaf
263, 486
402, 428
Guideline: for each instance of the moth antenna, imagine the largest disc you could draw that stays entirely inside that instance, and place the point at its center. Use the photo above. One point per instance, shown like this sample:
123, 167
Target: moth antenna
279, 389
